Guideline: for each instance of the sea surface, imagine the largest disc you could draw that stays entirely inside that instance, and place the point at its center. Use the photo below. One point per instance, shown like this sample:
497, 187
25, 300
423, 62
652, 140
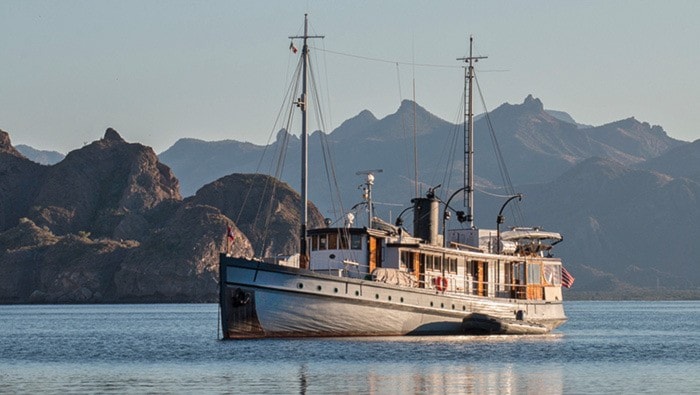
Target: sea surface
606, 347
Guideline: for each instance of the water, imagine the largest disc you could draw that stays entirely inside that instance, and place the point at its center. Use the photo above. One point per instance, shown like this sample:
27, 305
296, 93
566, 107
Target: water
606, 347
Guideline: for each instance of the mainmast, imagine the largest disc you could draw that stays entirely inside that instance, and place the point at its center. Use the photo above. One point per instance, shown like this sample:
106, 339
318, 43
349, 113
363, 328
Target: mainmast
469, 132
302, 104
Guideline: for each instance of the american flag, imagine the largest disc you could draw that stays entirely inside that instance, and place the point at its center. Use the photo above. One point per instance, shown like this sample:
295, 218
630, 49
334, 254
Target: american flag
567, 279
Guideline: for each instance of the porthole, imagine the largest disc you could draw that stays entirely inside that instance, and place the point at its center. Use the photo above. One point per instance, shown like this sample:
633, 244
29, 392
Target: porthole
401, 299
453, 307
389, 298
376, 296
300, 285
319, 288
335, 290
357, 293
442, 305
464, 308
431, 304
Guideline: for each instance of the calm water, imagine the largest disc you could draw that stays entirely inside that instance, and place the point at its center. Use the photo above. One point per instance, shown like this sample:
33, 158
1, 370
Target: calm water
606, 347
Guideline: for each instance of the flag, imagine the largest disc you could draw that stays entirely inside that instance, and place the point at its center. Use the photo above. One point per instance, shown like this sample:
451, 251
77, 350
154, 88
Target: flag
567, 279
293, 47
229, 233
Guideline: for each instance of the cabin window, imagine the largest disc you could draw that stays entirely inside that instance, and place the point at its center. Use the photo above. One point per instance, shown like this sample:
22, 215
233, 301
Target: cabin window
356, 242
314, 243
322, 242
344, 242
332, 241
427, 261
405, 259
551, 275
434, 262
452, 265
534, 273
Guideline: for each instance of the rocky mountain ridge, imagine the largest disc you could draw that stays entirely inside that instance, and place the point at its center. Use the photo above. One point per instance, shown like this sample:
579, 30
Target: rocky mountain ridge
539, 149
41, 157
107, 224
619, 193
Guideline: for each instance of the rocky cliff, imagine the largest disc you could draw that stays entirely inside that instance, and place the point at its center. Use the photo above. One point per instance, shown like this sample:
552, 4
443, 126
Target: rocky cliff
20, 180
103, 188
107, 224
265, 209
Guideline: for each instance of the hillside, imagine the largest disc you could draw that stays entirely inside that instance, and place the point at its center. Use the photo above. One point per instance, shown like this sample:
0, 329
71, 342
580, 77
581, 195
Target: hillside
537, 147
625, 230
40, 156
598, 204
107, 224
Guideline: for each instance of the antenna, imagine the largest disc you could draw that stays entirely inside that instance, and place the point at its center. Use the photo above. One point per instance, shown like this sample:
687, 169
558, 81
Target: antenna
367, 191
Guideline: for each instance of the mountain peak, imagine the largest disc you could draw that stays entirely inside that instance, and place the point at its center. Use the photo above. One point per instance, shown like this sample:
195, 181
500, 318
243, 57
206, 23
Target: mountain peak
532, 103
112, 135
408, 106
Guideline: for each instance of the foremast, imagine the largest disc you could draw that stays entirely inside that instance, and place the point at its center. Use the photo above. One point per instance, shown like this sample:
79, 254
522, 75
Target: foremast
469, 132
303, 105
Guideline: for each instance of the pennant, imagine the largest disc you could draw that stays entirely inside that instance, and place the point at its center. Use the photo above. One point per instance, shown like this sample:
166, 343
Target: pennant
293, 47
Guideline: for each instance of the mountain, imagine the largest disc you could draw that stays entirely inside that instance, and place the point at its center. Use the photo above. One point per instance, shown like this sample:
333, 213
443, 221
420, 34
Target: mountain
536, 146
102, 187
271, 224
107, 224
200, 162
587, 182
566, 117
39, 156
637, 228
20, 180
682, 161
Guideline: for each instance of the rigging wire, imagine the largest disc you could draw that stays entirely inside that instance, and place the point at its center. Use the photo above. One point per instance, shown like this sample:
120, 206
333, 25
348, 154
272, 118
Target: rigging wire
325, 148
406, 138
379, 60
280, 155
414, 64
450, 150
505, 176
415, 131
281, 149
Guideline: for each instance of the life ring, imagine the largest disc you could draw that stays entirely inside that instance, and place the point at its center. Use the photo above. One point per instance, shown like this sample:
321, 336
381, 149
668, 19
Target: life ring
440, 283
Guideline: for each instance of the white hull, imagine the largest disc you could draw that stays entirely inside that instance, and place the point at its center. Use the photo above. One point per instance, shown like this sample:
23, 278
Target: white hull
264, 300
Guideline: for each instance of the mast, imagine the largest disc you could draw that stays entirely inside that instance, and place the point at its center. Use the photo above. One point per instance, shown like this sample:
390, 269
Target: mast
469, 133
302, 104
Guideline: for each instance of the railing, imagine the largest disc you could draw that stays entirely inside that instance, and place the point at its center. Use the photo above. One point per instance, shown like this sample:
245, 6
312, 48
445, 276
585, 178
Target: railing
455, 284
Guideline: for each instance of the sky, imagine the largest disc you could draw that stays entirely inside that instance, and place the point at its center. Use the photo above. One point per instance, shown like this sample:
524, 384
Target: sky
158, 71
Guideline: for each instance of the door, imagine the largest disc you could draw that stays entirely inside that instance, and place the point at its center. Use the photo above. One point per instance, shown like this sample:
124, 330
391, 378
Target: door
375, 253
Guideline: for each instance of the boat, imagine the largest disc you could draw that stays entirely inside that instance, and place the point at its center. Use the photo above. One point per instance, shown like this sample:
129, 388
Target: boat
381, 280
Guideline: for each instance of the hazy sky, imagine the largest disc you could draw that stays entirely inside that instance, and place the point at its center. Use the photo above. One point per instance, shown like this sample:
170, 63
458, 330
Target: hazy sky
158, 71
